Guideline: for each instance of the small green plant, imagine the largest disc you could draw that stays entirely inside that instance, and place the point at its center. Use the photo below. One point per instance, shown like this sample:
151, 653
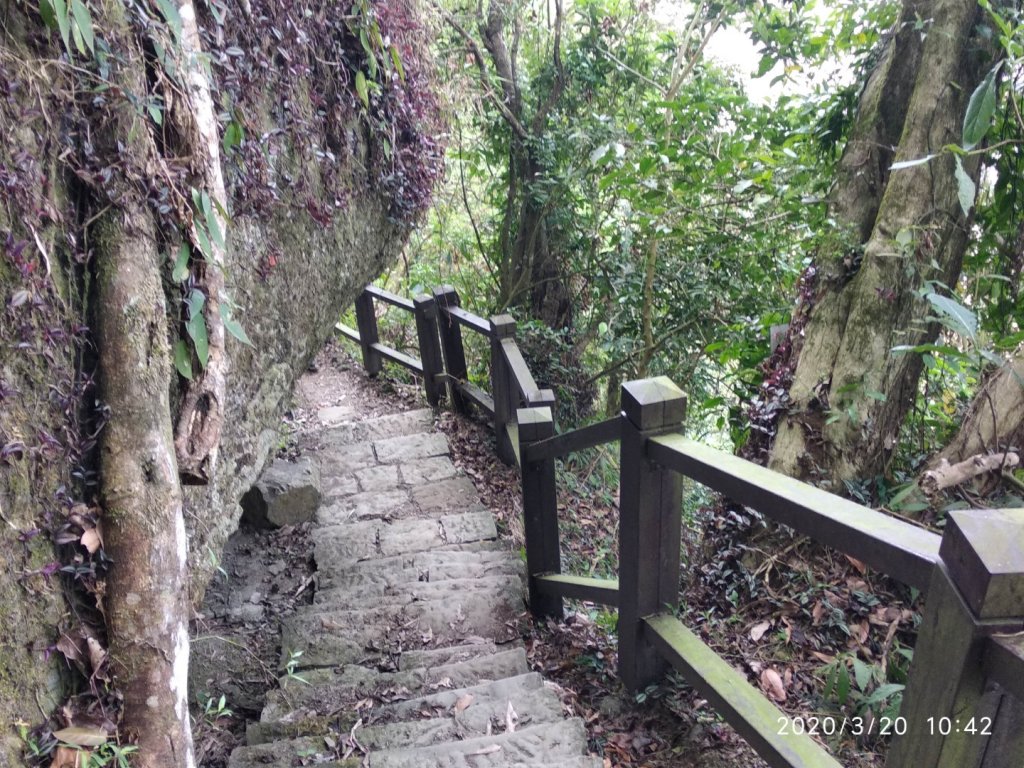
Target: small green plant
851, 682
112, 755
293, 664
214, 709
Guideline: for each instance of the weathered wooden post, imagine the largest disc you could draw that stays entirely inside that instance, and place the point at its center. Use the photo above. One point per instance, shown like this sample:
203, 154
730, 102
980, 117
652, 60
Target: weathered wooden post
366, 322
650, 525
540, 510
430, 347
451, 344
953, 716
502, 327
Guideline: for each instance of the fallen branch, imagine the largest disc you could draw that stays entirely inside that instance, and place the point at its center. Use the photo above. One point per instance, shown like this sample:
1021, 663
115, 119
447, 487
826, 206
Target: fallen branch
946, 475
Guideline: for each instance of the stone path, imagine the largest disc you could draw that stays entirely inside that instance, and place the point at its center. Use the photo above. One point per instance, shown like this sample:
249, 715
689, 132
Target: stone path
410, 655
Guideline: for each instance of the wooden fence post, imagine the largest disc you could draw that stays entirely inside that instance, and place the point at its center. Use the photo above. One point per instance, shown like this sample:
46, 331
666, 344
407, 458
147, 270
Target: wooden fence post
977, 589
650, 525
540, 510
502, 327
366, 321
430, 347
451, 344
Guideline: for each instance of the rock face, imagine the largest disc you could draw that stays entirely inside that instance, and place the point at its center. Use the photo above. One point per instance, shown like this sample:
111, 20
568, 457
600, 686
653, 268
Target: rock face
287, 493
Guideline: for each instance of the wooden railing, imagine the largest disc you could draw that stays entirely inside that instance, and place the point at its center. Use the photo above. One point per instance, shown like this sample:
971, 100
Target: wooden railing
963, 706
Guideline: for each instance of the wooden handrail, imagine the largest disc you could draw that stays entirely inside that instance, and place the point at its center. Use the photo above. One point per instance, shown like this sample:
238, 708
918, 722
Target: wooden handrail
602, 432
973, 594
467, 319
744, 707
904, 551
390, 298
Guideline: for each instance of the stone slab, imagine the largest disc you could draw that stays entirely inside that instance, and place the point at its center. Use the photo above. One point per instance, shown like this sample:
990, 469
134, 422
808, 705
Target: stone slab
473, 648
374, 505
410, 447
336, 414
343, 460
331, 690
371, 430
417, 591
422, 566
331, 637
333, 487
379, 478
457, 493
428, 471
536, 745
531, 700
346, 544
287, 493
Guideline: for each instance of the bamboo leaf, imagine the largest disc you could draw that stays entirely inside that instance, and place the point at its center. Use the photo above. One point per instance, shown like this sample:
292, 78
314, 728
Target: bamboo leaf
980, 109
60, 8
362, 90
83, 20
48, 14
397, 61
966, 189
170, 13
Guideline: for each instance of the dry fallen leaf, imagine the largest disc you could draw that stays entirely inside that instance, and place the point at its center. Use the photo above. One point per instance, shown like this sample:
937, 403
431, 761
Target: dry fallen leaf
485, 750
463, 702
511, 718
861, 568
78, 736
772, 684
66, 757
91, 540
758, 630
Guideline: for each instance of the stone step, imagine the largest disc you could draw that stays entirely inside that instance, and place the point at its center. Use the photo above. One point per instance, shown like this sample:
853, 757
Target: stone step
329, 636
343, 545
409, 448
434, 739
329, 691
380, 428
382, 493
479, 709
544, 744
387, 573
364, 596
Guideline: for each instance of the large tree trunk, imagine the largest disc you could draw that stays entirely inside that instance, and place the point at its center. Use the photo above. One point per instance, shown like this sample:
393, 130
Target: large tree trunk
995, 420
849, 392
144, 530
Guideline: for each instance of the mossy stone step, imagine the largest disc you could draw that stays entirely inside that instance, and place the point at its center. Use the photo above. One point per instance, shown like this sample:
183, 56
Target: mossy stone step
380, 428
329, 636
435, 565
343, 545
535, 745
363, 596
329, 691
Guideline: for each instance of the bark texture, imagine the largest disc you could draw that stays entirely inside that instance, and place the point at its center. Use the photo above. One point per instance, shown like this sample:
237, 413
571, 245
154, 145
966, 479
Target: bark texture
995, 420
850, 393
147, 596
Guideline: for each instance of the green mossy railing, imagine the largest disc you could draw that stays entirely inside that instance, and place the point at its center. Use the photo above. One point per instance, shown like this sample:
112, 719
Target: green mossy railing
963, 706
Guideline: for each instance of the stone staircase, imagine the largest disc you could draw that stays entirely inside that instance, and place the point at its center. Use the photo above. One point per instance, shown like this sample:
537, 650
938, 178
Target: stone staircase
410, 655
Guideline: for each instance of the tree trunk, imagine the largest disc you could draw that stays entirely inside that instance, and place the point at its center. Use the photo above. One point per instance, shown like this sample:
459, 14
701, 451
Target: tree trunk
144, 530
849, 392
995, 420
